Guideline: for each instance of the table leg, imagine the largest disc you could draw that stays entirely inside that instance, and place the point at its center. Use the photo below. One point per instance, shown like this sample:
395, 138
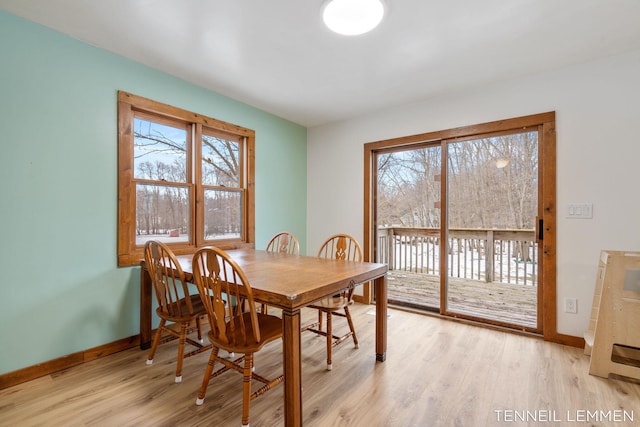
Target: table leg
145, 309
380, 285
292, 368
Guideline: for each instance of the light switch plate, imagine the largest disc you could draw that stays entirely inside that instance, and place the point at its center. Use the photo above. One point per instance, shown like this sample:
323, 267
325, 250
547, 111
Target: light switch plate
580, 211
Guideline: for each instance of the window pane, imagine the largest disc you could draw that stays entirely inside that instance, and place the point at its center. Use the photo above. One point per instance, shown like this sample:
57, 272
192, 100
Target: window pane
493, 182
160, 151
220, 166
162, 213
223, 214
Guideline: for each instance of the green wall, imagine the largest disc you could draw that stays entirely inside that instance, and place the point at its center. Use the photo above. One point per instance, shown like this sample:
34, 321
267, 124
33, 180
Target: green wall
61, 290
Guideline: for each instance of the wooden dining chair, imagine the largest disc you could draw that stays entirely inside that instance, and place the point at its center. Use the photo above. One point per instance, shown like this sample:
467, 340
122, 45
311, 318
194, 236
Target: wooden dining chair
219, 279
285, 243
175, 303
343, 247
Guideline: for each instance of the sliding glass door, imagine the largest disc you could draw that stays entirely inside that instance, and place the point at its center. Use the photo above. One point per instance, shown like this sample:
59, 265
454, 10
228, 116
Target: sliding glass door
492, 205
408, 213
460, 217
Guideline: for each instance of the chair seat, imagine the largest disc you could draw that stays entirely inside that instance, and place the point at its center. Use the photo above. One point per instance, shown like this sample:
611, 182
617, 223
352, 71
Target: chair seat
270, 329
196, 304
331, 303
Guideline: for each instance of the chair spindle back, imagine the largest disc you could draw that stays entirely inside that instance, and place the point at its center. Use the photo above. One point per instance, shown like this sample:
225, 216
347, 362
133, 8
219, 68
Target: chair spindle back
341, 246
222, 284
284, 242
168, 279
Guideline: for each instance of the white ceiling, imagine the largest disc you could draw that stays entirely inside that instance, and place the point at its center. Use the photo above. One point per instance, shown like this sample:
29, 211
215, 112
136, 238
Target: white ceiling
276, 54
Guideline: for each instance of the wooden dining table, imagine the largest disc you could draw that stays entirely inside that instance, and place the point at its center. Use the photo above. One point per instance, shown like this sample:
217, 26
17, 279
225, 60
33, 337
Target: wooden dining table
289, 282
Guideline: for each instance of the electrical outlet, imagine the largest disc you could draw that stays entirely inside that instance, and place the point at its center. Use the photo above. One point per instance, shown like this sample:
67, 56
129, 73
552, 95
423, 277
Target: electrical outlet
570, 305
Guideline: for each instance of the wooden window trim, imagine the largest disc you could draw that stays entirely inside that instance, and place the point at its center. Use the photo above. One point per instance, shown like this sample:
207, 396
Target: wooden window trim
128, 104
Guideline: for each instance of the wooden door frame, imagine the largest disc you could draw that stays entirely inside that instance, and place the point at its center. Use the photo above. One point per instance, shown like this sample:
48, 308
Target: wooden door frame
544, 123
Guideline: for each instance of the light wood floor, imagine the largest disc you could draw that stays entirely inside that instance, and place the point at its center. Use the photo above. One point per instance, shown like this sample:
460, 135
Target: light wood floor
438, 373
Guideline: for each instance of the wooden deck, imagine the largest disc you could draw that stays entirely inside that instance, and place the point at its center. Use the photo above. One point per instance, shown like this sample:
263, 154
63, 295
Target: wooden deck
501, 302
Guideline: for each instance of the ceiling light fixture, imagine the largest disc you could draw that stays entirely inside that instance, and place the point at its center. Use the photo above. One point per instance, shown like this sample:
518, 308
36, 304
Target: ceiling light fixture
352, 17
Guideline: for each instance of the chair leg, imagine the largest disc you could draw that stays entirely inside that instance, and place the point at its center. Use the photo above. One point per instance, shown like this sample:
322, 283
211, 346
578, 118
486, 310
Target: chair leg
199, 327
246, 388
181, 341
207, 376
156, 341
353, 330
329, 341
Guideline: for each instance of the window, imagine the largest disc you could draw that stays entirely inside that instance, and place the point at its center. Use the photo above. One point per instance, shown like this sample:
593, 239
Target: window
183, 178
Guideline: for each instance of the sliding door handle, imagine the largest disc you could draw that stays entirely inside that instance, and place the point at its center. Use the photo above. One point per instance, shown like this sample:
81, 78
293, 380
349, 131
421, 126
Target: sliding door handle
539, 228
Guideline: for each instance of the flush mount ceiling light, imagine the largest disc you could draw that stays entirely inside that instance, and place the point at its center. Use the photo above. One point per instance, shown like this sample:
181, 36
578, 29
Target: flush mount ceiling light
352, 17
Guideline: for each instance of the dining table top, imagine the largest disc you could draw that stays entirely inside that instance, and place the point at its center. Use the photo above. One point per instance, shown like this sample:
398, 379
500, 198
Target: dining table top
293, 281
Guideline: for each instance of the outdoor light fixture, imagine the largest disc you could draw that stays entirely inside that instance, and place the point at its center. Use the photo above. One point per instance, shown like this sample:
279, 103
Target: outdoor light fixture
502, 163
352, 17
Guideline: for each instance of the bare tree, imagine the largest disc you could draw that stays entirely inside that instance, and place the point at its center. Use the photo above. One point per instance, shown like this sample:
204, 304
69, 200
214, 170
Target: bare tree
491, 183
162, 157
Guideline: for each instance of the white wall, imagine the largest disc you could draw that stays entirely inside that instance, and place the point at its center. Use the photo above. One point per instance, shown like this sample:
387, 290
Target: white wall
597, 109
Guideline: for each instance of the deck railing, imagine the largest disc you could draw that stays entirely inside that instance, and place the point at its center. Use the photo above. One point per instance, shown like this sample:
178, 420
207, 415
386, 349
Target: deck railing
490, 255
